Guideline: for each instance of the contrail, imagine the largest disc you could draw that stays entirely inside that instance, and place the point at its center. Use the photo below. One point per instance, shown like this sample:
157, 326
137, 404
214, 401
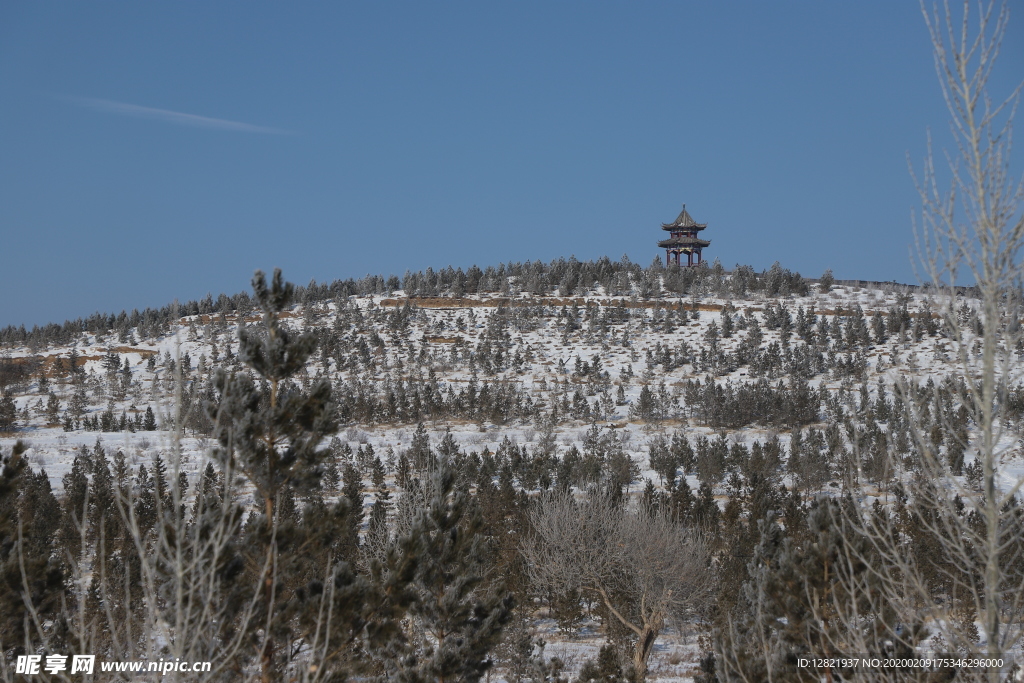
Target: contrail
169, 116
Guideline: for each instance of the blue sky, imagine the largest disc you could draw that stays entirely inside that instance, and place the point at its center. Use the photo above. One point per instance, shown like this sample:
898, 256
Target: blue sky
158, 150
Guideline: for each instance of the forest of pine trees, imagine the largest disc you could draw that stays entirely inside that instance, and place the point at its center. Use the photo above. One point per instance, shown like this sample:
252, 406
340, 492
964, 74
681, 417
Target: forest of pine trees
295, 554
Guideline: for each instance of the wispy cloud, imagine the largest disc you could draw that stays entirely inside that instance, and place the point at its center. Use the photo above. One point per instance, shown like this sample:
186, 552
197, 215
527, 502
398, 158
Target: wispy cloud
168, 116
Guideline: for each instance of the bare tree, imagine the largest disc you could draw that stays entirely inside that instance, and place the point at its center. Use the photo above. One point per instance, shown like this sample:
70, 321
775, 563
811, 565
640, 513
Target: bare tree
641, 565
973, 229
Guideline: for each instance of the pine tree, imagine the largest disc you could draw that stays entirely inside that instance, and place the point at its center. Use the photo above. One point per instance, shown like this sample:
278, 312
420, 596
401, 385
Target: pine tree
331, 478
79, 402
646, 407
272, 437
663, 462
144, 500
810, 592
52, 408
419, 453
103, 518
73, 514
31, 579
462, 615
377, 532
209, 493
149, 423
161, 485
705, 510
353, 491
73, 366
8, 413
606, 669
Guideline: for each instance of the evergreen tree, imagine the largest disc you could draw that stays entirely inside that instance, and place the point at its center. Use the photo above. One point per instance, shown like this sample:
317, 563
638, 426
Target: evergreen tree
606, 669
8, 413
144, 500
273, 438
457, 607
103, 518
209, 493
646, 407
419, 453
353, 491
79, 402
331, 478
810, 593
663, 461
31, 578
826, 281
149, 422
52, 409
73, 514
377, 532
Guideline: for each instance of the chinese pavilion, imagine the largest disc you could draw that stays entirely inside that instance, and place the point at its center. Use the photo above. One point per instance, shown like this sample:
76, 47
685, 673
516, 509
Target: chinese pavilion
683, 239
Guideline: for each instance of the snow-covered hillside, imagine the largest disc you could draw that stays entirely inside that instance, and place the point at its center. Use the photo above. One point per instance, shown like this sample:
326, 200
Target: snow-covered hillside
547, 350
610, 381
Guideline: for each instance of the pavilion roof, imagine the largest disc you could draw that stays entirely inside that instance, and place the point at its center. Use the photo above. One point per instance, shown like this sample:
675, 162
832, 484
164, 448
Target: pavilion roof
683, 242
684, 222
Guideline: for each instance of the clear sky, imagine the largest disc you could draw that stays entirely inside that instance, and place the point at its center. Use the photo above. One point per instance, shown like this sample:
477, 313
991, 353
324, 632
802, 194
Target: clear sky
152, 151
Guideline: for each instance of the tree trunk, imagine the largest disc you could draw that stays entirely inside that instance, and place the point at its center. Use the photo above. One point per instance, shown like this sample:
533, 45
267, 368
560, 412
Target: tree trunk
642, 650
646, 636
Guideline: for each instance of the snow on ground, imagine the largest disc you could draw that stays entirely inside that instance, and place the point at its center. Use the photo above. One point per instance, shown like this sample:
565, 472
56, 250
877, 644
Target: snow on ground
440, 335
